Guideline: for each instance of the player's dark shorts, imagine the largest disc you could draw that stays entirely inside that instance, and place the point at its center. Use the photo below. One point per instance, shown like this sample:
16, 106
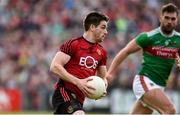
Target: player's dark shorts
64, 101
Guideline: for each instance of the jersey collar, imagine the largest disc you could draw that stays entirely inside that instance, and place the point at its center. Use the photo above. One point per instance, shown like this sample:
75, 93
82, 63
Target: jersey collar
166, 35
88, 41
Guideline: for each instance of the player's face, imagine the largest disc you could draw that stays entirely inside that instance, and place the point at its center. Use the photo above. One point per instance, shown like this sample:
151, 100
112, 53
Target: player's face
168, 22
100, 31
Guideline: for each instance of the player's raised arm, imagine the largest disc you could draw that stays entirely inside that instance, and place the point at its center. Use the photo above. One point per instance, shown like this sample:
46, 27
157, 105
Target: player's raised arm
131, 47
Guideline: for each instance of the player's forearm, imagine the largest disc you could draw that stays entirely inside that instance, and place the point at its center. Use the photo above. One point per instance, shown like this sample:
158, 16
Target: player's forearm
63, 74
117, 61
114, 65
177, 62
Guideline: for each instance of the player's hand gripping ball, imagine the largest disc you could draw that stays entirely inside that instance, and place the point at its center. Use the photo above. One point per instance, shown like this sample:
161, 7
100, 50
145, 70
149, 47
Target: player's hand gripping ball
99, 85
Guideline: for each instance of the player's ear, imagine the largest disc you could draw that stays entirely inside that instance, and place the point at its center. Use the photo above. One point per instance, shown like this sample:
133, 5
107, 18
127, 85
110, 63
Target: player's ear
92, 27
160, 18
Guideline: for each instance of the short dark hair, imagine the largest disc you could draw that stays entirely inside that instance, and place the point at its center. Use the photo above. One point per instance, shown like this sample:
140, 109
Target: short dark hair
94, 18
170, 8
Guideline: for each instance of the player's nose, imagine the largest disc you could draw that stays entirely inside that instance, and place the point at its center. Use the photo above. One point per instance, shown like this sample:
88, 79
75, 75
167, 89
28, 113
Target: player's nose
106, 32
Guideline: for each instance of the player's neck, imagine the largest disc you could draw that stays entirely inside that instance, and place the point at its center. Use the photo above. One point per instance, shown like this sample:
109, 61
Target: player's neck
88, 37
165, 34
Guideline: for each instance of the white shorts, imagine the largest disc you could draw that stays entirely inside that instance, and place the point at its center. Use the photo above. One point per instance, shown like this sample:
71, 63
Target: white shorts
143, 84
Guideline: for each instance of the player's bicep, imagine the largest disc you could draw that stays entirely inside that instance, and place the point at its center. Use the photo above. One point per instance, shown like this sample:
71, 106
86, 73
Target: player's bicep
60, 58
142, 40
101, 71
132, 47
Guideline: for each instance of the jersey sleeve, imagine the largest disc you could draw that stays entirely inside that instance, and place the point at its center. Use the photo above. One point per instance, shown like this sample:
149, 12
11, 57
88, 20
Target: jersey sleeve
67, 47
143, 40
104, 58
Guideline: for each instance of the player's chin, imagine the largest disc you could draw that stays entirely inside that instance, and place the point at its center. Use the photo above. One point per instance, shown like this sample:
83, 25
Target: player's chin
170, 28
101, 39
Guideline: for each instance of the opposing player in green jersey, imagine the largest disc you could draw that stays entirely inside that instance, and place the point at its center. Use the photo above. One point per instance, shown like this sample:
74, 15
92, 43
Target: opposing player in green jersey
160, 49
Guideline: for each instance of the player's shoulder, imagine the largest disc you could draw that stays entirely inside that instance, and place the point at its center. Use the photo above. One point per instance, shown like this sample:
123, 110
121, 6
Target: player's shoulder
99, 45
153, 32
177, 34
149, 33
101, 48
74, 40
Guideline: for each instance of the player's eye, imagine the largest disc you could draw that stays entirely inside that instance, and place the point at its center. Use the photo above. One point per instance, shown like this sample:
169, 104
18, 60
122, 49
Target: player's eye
166, 17
103, 27
173, 19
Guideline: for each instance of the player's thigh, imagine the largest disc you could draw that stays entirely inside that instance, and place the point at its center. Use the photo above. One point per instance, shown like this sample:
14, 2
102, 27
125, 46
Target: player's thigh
151, 94
138, 108
157, 99
69, 107
64, 102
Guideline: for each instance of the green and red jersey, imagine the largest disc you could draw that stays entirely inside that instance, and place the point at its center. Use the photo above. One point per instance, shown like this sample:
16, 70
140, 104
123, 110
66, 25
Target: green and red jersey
159, 52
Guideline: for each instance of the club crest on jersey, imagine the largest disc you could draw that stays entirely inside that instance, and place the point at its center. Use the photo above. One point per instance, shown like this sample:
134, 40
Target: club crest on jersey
88, 62
167, 42
174, 43
98, 52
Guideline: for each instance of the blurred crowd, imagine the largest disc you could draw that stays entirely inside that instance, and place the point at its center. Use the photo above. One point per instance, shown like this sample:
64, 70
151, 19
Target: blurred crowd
31, 32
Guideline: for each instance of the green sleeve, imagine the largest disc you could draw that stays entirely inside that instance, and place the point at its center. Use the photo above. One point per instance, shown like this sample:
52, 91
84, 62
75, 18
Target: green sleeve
143, 40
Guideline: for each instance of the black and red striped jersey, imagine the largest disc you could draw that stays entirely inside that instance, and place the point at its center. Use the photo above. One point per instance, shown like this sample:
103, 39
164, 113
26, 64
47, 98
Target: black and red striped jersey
86, 57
